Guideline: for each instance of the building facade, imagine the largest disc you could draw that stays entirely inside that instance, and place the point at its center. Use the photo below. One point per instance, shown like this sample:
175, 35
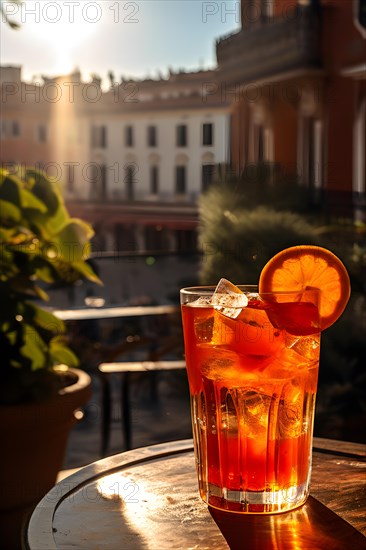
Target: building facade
133, 159
296, 76
289, 90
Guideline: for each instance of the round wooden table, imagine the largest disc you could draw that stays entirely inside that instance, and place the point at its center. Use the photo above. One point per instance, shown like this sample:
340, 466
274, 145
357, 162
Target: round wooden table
148, 499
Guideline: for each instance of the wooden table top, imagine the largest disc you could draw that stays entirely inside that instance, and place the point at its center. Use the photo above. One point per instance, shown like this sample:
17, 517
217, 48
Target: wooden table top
148, 499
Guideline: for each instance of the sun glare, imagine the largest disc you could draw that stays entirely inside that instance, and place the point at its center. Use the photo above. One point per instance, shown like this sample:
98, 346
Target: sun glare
61, 29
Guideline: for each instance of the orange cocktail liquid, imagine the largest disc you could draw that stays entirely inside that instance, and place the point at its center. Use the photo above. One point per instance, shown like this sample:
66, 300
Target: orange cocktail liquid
253, 385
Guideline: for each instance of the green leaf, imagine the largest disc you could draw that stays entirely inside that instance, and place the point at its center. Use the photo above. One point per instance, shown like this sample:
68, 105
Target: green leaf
22, 284
62, 354
9, 190
58, 221
3, 176
9, 212
84, 229
46, 319
44, 271
28, 200
72, 241
49, 226
55, 214
43, 189
7, 267
41, 293
86, 271
6, 235
34, 348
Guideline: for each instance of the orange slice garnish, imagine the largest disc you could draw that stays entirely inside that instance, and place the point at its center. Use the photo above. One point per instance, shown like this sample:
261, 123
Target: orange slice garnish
302, 267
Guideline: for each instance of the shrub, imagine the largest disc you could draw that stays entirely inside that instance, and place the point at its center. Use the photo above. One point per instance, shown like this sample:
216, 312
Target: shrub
237, 242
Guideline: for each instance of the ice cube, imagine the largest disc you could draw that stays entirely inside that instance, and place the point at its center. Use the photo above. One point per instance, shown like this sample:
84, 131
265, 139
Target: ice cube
220, 366
290, 411
203, 329
224, 367
229, 299
203, 319
202, 301
306, 346
255, 409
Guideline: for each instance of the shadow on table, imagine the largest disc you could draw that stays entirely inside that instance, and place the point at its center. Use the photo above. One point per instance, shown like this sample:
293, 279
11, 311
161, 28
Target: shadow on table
313, 526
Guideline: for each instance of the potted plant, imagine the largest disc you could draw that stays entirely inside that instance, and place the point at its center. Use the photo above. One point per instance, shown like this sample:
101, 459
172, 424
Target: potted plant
40, 388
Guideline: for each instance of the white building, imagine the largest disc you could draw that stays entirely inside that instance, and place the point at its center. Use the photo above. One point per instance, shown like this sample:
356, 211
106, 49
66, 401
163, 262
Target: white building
154, 140
132, 160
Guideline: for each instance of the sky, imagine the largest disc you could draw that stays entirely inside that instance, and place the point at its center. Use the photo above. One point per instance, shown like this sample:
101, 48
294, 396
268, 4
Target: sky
137, 38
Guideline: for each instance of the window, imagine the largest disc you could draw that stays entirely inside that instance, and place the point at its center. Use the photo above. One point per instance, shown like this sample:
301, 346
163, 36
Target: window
181, 135
92, 176
207, 134
186, 240
99, 137
70, 177
130, 170
10, 129
103, 182
260, 144
129, 137
125, 236
41, 133
154, 180
15, 129
267, 8
180, 180
98, 180
152, 136
207, 175
156, 238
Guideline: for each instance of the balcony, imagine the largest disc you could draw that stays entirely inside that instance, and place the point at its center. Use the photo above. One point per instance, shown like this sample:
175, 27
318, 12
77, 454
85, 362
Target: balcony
290, 42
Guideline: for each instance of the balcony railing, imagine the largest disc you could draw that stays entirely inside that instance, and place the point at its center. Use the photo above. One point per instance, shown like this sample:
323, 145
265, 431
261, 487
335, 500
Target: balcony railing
274, 46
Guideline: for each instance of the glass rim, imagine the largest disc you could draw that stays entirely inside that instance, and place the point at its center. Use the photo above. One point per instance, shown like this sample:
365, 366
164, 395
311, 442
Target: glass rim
246, 289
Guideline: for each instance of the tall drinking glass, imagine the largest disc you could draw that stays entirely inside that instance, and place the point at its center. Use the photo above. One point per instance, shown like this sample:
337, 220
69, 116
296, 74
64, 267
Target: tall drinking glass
252, 366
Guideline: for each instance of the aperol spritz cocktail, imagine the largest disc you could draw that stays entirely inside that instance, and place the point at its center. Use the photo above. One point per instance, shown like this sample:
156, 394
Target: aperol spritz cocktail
253, 376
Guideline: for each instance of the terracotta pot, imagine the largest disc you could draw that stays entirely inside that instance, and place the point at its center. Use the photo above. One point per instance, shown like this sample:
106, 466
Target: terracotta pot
33, 444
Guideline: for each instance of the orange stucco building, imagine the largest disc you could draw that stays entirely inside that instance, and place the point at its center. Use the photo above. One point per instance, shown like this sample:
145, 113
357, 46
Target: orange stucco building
296, 75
